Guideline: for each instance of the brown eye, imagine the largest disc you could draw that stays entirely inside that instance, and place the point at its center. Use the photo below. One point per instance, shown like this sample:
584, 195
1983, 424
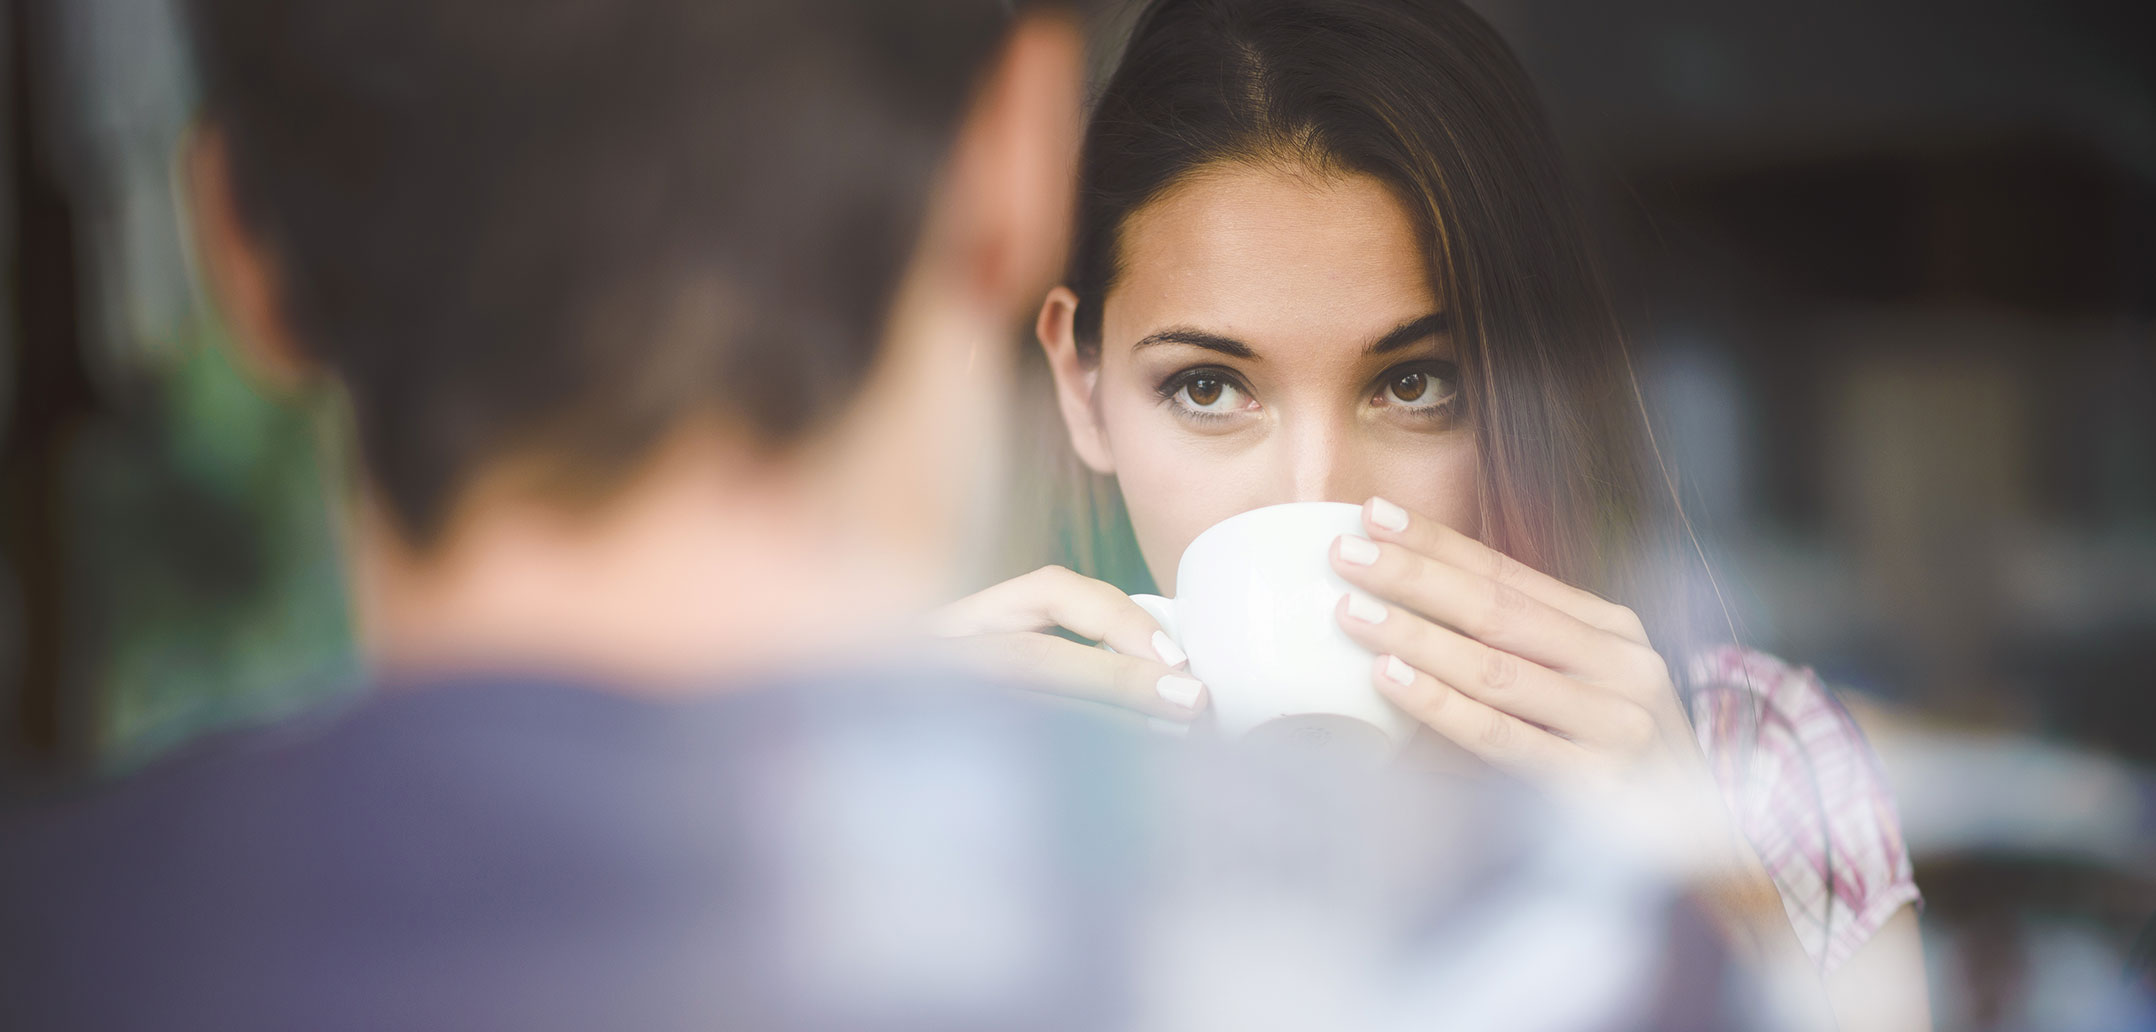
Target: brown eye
1410, 387
1204, 392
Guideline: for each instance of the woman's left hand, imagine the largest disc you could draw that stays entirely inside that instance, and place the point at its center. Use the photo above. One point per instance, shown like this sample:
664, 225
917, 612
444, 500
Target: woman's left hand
1521, 669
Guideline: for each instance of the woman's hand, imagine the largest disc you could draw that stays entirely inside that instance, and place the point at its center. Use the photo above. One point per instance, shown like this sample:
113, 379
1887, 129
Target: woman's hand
1517, 667
1559, 686
1000, 633
1529, 673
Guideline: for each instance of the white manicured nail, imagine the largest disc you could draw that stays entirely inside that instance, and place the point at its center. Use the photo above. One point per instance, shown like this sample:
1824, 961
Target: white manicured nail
1387, 515
1183, 691
1363, 607
1358, 550
1168, 651
1398, 672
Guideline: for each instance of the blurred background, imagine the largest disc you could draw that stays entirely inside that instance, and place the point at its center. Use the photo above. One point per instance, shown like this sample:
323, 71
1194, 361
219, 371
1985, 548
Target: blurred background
1891, 273
1890, 269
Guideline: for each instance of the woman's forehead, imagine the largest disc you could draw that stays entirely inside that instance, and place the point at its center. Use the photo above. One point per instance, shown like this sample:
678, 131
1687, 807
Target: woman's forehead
1271, 253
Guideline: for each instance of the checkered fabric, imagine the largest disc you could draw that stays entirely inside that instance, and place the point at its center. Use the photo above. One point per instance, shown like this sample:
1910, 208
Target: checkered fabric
1807, 790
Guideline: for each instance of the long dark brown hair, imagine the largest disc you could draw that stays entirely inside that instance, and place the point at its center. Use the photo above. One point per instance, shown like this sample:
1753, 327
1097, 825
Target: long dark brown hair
1425, 97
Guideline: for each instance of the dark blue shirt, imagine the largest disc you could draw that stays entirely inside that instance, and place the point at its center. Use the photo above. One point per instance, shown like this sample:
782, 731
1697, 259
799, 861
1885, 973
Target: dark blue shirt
869, 852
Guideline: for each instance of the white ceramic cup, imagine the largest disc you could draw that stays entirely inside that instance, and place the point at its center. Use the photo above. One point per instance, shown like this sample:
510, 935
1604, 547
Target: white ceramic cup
1254, 611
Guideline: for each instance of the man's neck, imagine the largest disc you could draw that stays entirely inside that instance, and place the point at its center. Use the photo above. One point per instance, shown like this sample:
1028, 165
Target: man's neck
707, 567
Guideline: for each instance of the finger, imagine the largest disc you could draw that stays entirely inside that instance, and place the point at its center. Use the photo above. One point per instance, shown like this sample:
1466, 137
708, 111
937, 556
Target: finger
1385, 521
1058, 666
1053, 596
1498, 738
1498, 679
1492, 612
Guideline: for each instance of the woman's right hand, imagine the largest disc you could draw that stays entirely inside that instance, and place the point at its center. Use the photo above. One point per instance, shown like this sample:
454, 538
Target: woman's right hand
1000, 632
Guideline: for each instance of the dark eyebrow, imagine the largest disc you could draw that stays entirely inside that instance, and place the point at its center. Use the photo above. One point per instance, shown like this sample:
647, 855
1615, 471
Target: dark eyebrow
1398, 337
1197, 338
1408, 333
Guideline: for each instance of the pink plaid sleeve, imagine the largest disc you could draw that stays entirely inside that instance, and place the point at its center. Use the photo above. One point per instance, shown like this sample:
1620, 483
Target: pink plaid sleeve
1808, 792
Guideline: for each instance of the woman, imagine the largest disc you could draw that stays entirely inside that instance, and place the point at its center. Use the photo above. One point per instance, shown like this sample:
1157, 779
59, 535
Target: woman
1325, 252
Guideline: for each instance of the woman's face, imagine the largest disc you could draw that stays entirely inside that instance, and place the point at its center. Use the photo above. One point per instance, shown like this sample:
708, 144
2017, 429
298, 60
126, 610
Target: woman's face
1273, 336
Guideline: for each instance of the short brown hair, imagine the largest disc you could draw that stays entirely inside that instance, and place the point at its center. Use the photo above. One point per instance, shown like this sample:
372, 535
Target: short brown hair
558, 227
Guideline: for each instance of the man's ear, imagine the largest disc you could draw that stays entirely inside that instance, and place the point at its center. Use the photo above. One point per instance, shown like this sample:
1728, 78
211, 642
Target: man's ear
237, 271
1075, 380
1010, 183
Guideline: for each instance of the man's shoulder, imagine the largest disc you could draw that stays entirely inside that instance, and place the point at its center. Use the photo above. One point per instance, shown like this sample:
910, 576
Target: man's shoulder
543, 855
495, 827
400, 751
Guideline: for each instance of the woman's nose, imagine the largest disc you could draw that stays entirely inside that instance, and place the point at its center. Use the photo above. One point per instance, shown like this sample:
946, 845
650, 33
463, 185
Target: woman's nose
1321, 465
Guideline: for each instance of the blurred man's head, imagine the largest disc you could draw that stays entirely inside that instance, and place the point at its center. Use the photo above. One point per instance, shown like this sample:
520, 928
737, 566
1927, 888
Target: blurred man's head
583, 267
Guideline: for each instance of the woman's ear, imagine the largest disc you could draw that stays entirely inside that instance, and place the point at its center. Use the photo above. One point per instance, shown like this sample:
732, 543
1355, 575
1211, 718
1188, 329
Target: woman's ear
1075, 380
238, 272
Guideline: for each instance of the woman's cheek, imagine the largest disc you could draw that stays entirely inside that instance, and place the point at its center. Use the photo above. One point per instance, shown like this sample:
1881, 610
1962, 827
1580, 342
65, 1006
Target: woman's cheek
1171, 496
1445, 485
1174, 486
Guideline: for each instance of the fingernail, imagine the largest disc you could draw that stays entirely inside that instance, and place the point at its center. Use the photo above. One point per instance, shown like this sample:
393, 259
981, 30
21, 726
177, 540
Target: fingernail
1183, 691
1172, 729
1358, 550
1363, 607
1168, 651
1387, 515
1398, 672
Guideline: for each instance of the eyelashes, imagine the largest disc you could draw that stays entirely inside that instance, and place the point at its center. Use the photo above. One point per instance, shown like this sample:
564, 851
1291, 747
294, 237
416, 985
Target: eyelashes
1427, 385
1426, 389
1204, 393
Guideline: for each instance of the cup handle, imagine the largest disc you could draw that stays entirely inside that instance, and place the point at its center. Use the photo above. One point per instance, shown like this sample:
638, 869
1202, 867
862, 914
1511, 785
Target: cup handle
1162, 610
